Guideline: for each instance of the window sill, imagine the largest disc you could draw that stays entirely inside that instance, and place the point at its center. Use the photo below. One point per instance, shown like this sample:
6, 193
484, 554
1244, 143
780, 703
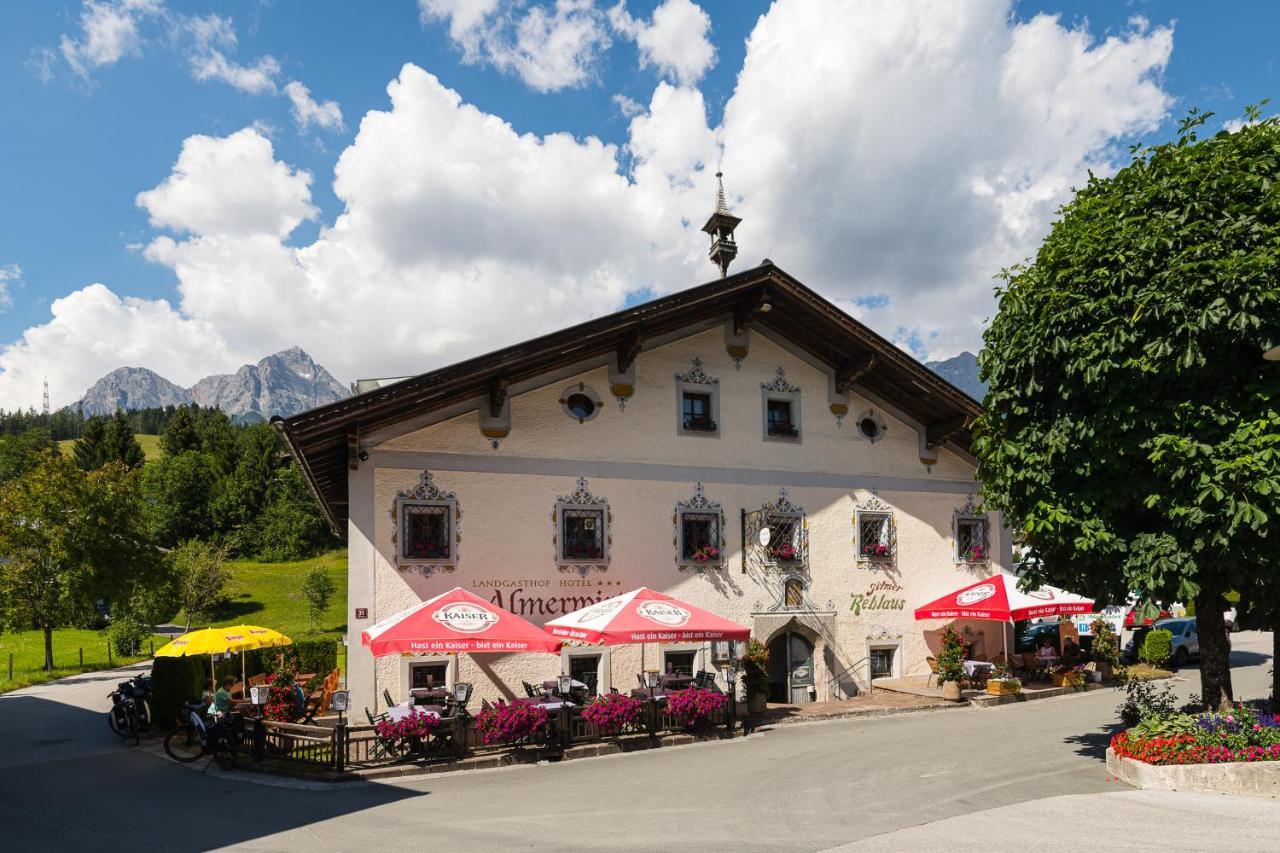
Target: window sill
972, 564
876, 558
782, 433
690, 565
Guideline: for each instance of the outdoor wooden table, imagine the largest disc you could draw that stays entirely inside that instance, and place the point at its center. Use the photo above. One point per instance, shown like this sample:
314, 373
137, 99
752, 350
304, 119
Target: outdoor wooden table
397, 713
972, 667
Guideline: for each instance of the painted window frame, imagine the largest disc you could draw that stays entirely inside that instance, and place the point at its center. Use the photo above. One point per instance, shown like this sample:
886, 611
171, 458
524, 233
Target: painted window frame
587, 391
426, 493
872, 510
965, 516
581, 500
783, 508
696, 380
699, 505
780, 390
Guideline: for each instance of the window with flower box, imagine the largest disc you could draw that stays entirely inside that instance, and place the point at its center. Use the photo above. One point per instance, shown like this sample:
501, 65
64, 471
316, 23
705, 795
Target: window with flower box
699, 533
972, 535
698, 399
875, 533
582, 530
426, 521
781, 405
786, 531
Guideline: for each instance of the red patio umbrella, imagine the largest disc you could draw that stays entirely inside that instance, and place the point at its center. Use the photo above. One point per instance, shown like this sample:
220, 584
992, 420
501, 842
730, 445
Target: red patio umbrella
998, 599
456, 621
644, 616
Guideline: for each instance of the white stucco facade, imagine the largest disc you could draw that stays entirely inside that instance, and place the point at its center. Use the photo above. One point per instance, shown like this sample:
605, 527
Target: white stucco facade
638, 459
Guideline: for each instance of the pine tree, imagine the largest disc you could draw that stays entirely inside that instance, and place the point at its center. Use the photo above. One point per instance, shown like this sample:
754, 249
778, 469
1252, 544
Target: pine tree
180, 435
120, 444
90, 451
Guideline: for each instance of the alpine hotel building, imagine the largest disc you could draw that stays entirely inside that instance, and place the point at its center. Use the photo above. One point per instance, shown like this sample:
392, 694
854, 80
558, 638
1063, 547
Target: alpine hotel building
650, 448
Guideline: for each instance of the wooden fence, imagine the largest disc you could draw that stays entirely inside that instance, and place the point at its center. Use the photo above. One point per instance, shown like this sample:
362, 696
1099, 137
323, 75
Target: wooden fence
345, 747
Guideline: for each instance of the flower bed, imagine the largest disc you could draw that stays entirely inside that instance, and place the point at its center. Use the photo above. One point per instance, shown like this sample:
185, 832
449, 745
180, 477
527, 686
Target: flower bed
694, 705
612, 712
503, 723
1244, 734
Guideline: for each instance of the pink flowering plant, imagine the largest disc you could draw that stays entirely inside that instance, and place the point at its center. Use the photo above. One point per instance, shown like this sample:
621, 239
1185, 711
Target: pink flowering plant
612, 712
503, 723
976, 554
706, 554
417, 724
694, 705
876, 549
785, 551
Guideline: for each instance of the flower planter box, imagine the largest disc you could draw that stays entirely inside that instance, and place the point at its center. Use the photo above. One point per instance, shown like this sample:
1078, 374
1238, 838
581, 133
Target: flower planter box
1068, 679
1003, 688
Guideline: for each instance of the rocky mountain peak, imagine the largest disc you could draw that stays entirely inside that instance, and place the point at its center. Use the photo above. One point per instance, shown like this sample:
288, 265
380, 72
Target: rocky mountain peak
283, 384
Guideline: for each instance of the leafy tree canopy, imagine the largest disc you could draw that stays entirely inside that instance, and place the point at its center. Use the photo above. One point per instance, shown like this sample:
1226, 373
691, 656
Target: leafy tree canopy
1131, 427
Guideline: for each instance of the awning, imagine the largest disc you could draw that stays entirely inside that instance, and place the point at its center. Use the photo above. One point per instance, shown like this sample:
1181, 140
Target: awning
644, 616
998, 598
456, 621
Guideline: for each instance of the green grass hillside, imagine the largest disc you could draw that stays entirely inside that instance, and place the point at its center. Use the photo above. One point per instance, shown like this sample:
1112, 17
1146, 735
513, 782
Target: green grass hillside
267, 594
150, 445
270, 594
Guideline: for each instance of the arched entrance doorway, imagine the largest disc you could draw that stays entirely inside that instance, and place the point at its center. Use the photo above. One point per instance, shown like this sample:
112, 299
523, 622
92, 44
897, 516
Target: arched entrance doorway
790, 669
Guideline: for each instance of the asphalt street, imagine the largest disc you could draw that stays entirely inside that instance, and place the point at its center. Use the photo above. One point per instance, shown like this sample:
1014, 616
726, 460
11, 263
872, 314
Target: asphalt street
1030, 774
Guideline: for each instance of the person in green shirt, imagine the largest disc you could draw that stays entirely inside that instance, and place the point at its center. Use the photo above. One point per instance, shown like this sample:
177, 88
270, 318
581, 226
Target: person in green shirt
222, 699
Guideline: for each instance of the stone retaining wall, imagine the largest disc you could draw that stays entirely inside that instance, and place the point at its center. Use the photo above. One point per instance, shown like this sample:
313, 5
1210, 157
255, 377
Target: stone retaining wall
1256, 779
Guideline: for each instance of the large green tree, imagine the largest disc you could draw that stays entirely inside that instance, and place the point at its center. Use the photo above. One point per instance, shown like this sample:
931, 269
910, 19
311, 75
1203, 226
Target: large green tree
70, 538
1131, 426
177, 491
180, 434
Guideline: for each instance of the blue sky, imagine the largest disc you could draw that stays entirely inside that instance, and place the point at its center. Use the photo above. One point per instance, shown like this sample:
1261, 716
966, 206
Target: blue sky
76, 149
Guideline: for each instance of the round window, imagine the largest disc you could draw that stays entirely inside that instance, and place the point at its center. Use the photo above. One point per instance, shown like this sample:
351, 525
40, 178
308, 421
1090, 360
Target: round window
870, 426
580, 406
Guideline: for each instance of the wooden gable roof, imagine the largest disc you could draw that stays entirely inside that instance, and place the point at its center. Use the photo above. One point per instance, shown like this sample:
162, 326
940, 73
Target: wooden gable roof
324, 440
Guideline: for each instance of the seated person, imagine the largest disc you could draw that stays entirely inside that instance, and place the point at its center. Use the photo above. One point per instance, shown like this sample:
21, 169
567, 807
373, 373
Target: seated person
222, 699
1046, 649
1070, 650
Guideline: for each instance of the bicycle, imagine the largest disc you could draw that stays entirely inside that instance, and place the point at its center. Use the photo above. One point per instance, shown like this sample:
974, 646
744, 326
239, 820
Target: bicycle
195, 738
130, 715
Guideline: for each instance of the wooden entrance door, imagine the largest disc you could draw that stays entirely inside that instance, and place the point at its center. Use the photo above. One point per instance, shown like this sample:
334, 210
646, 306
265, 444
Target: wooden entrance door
790, 669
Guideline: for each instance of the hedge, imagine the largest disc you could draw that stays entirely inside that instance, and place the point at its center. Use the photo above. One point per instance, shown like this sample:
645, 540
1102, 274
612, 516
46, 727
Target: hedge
176, 680
1156, 647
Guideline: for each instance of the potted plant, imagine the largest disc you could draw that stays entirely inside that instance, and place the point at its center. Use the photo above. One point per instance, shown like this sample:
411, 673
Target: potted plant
1105, 649
1002, 682
1069, 676
755, 675
613, 713
951, 664
693, 706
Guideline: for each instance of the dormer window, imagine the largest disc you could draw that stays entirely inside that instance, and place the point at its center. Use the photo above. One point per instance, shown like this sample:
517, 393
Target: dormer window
698, 399
780, 421
781, 408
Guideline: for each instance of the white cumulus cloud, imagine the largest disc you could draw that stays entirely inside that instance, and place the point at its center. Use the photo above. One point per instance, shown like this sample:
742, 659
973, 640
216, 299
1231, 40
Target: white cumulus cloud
548, 47
213, 37
894, 157
676, 40
108, 33
326, 115
10, 274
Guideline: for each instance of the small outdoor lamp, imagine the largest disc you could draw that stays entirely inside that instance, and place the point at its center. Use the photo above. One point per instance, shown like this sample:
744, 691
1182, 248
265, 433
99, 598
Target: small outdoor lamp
259, 695
731, 676
651, 680
565, 683
340, 701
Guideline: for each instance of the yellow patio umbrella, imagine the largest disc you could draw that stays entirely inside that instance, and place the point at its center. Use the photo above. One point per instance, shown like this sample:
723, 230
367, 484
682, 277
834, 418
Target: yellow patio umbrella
221, 641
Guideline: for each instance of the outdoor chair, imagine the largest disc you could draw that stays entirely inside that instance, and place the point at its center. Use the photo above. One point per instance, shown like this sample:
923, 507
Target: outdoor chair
934, 671
374, 719
530, 691
386, 697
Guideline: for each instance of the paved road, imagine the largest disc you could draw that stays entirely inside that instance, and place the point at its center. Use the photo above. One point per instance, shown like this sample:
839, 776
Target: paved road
941, 780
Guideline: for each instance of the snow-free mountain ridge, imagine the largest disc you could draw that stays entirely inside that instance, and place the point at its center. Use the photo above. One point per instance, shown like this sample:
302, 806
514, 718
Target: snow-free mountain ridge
282, 384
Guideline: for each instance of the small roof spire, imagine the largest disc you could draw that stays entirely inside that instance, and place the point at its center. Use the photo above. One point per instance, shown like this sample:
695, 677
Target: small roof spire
720, 226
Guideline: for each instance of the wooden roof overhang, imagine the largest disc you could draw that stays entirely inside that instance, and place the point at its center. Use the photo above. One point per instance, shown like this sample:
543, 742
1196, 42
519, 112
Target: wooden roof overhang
325, 440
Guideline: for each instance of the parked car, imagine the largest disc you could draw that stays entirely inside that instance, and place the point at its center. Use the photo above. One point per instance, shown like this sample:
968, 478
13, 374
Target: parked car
1129, 617
1028, 639
1184, 646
